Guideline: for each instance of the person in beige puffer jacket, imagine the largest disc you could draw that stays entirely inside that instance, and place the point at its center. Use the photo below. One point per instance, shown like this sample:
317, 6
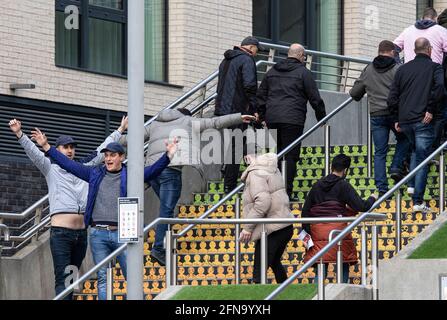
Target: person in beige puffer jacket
265, 197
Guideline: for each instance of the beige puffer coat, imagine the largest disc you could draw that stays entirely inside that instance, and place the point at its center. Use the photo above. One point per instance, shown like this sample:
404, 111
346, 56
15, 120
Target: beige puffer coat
264, 195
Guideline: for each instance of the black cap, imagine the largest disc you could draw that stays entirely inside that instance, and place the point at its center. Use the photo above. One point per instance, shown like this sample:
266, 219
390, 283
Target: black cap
252, 41
114, 147
65, 140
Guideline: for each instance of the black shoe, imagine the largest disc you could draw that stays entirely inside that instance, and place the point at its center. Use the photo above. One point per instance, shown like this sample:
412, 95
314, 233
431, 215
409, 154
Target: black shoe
159, 257
397, 176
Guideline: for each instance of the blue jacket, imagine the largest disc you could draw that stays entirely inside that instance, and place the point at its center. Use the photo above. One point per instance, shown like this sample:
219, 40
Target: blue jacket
94, 176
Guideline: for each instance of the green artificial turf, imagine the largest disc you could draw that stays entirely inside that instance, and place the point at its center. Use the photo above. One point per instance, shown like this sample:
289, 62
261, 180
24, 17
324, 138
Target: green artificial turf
246, 292
433, 248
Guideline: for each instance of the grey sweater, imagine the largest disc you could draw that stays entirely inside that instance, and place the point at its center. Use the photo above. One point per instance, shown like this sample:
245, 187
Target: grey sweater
376, 80
105, 210
67, 193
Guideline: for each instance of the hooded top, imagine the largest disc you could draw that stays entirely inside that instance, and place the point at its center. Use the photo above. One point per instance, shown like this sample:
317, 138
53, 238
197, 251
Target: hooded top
285, 91
264, 195
376, 80
436, 34
237, 84
335, 193
173, 123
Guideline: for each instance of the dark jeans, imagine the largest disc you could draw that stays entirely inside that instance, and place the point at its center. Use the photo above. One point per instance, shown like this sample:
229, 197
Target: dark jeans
231, 170
68, 248
439, 127
276, 244
421, 138
103, 243
168, 187
286, 134
381, 127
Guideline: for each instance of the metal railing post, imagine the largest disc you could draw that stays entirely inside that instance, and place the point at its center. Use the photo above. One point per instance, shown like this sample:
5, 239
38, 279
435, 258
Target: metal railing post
37, 220
237, 258
168, 257
369, 143
321, 295
327, 149
398, 220
375, 262
339, 264
174, 261
364, 257
441, 182
109, 280
264, 256
284, 171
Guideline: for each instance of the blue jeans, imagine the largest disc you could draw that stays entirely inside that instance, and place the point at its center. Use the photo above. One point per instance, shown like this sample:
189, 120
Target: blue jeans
103, 243
68, 248
168, 187
381, 127
421, 137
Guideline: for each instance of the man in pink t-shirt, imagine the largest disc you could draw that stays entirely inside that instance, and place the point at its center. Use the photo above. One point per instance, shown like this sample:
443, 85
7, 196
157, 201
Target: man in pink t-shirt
426, 28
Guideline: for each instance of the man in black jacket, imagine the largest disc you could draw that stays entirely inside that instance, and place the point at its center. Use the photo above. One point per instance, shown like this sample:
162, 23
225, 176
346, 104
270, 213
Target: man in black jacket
376, 80
415, 95
236, 93
282, 99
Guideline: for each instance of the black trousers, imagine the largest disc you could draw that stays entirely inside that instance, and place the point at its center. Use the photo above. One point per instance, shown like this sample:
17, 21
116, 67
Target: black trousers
276, 244
286, 134
231, 171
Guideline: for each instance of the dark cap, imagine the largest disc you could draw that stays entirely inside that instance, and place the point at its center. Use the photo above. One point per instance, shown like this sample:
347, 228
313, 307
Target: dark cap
252, 41
65, 140
114, 147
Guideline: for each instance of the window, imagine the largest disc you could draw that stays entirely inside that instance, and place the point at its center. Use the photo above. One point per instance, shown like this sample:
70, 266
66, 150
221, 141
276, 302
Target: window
100, 43
317, 24
421, 5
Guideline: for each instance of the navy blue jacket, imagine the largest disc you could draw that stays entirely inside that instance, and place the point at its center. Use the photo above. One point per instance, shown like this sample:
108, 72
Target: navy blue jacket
94, 176
237, 85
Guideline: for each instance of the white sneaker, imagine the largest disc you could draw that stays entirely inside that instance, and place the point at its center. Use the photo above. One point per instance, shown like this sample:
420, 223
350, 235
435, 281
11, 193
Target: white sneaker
410, 191
421, 208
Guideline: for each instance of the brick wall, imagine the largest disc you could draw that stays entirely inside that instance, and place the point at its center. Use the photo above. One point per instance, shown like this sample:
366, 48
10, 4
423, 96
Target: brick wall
21, 184
199, 32
369, 22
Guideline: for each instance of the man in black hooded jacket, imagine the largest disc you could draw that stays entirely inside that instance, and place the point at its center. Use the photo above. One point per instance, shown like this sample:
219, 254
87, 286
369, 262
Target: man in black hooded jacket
236, 93
376, 80
282, 98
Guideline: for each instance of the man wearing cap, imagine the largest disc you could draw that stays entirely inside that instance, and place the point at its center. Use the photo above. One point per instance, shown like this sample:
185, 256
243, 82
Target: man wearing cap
106, 184
67, 198
236, 93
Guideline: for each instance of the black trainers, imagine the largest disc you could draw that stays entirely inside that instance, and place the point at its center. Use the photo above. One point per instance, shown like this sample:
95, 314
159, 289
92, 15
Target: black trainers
159, 257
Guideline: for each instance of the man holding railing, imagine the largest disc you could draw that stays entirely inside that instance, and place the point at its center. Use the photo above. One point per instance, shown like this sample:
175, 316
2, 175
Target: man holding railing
67, 198
106, 184
414, 99
376, 80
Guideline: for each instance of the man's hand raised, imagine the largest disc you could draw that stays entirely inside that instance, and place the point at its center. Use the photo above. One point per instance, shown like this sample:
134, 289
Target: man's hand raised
40, 138
16, 127
124, 124
171, 147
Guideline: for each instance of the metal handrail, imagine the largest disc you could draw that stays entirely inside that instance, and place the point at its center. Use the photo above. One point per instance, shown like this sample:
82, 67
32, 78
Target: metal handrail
173, 221
319, 53
5, 230
320, 124
354, 224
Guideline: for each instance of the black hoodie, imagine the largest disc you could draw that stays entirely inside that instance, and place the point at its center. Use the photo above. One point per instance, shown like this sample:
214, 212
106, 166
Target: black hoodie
237, 84
424, 24
285, 91
333, 188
